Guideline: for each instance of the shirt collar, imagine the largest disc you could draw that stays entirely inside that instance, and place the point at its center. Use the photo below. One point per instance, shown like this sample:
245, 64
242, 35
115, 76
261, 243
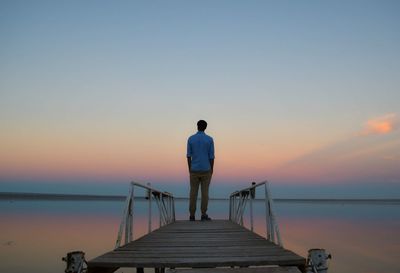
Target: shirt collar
200, 132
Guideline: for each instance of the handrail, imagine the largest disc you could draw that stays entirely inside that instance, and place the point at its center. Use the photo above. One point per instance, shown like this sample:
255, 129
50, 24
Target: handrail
237, 206
166, 207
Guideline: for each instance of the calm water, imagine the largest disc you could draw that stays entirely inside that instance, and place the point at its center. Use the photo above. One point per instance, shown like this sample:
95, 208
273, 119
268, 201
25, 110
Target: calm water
34, 235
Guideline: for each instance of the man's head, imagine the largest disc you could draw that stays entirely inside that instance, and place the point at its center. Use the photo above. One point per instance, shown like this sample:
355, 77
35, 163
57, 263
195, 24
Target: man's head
201, 125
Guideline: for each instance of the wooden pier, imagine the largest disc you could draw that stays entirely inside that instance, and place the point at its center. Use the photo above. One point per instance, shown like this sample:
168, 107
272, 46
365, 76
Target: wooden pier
199, 244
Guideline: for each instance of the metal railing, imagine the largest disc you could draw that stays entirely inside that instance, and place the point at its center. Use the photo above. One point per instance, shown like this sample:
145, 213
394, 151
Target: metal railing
237, 206
166, 208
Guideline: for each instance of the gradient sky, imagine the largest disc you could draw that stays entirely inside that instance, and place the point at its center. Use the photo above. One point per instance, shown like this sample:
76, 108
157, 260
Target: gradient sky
94, 94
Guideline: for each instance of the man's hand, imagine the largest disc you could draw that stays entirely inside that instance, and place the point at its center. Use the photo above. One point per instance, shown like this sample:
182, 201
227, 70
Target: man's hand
189, 161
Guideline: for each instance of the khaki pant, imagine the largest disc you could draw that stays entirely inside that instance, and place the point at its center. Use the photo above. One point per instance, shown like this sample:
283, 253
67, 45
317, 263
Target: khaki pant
197, 179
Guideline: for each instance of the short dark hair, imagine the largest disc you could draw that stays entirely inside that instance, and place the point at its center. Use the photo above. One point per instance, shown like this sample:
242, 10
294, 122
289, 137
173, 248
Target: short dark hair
201, 125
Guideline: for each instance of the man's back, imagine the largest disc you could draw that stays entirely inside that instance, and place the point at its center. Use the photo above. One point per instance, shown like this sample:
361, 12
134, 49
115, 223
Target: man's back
200, 148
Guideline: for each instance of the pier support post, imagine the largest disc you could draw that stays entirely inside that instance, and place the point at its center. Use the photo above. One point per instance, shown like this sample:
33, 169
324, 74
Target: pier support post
302, 268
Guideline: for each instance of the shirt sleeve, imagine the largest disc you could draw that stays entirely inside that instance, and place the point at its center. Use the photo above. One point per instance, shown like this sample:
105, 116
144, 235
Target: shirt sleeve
189, 149
211, 154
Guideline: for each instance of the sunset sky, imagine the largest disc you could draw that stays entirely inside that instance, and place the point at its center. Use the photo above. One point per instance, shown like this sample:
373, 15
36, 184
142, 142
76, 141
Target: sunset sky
306, 94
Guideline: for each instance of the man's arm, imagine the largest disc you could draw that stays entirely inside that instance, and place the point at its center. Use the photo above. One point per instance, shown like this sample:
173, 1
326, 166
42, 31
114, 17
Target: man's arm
211, 154
189, 154
189, 161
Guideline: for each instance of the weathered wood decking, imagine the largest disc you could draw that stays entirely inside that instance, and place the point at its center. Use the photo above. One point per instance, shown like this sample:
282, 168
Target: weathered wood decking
267, 269
214, 243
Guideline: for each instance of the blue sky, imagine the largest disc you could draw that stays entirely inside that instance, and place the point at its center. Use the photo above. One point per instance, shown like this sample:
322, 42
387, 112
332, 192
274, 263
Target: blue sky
107, 92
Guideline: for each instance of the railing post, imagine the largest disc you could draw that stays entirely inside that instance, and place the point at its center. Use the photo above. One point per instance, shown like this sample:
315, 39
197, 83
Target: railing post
127, 224
127, 216
230, 208
123, 221
252, 196
150, 197
233, 207
131, 214
173, 207
242, 208
165, 209
168, 208
157, 198
275, 227
244, 198
236, 206
231, 211
251, 214
267, 215
271, 217
172, 210
162, 209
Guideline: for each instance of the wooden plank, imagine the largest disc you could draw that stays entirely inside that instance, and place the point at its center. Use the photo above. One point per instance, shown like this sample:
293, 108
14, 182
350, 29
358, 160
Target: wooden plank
195, 244
199, 234
199, 248
205, 225
156, 254
129, 254
198, 244
148, 256
244, 253
204, 237
197, 262
279, 269
202, 249
200, 241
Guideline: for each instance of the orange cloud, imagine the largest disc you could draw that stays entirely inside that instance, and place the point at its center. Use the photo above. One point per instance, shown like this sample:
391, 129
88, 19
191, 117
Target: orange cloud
380, 125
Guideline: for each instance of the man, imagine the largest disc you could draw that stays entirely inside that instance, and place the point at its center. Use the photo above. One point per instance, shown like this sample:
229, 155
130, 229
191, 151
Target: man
200, 158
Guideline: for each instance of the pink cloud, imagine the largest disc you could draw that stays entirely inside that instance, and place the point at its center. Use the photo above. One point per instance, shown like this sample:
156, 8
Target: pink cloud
380, 125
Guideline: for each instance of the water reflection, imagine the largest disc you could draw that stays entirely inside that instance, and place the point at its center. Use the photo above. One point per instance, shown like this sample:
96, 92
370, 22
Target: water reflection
34, 235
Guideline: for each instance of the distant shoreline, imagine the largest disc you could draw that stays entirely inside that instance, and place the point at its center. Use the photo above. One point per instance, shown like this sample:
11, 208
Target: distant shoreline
14, 196
56, 196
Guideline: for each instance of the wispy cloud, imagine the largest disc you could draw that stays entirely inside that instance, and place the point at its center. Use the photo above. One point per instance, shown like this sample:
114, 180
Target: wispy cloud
354, 159
380, 125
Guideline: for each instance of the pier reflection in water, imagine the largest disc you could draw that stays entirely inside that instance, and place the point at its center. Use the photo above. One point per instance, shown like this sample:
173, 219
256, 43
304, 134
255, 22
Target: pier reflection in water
34, 235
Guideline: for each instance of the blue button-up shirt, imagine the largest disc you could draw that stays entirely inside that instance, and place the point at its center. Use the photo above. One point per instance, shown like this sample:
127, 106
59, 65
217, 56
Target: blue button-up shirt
200, 148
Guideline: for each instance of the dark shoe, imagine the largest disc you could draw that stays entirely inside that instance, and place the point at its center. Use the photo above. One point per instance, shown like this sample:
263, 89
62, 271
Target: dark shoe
205, 217
191, 218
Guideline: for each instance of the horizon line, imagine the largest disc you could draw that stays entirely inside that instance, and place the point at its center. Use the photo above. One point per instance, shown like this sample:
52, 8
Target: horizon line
96, 197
